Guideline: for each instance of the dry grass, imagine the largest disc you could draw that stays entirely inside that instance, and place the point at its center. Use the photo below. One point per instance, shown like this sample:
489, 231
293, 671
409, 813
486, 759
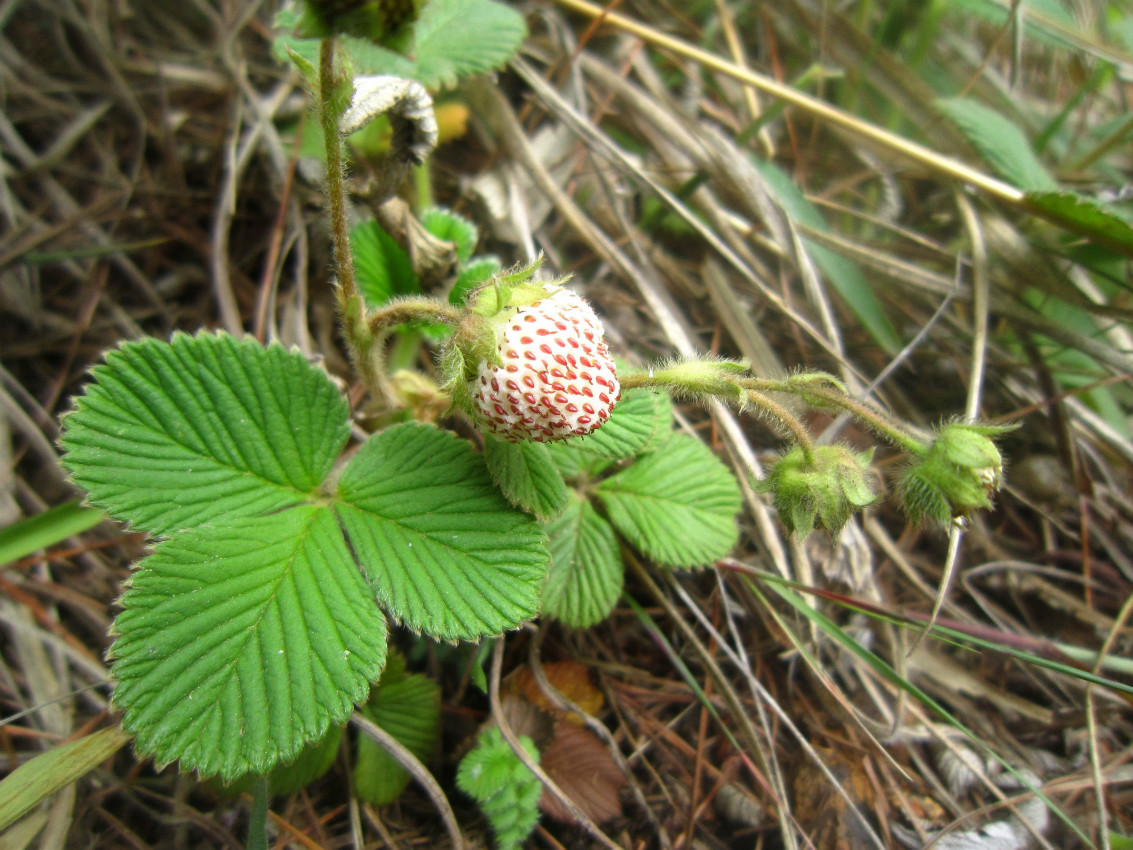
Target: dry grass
147, 187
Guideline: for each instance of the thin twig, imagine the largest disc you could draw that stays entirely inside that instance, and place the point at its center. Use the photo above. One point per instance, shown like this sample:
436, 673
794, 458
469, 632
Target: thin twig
417, 770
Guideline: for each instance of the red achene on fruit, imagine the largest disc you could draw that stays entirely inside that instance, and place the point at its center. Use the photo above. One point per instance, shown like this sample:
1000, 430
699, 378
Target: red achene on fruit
555, 378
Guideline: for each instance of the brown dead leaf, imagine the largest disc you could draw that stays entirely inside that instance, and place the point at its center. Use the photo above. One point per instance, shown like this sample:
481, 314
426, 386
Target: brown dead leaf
581, 765
822, 813
570, 678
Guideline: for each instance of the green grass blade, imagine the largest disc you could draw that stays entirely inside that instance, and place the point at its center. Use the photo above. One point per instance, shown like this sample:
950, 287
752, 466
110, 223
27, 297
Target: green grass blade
46, 529
27, 785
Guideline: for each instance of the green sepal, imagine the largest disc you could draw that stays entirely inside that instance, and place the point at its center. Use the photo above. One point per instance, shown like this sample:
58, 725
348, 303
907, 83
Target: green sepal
820, 490
958, 474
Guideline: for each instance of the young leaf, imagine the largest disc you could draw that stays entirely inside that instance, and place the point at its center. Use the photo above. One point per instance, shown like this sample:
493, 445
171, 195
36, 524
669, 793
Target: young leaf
586, 574
527, 476
382, 267
172, 435
451, 227
1003, 145
508, 793
477, 271
409, 708
240, 643
446, 553
639, 422
677, 505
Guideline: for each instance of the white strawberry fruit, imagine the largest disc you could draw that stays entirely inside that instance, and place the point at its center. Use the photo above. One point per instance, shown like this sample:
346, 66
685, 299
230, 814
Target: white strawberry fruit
554, 377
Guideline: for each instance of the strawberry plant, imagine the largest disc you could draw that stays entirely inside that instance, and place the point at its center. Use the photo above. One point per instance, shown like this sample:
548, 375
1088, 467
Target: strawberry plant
259, 621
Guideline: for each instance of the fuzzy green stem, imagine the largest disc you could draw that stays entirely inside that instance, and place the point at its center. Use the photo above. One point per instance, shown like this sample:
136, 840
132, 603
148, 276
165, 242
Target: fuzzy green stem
784, 416
823, 396
336, 181
410, 310
730, 390
364, 352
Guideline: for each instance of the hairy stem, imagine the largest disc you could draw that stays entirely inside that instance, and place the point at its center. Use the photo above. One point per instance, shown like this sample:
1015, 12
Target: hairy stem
410, 310
336, 181
733, 390
828, 397
365, 355
784, 416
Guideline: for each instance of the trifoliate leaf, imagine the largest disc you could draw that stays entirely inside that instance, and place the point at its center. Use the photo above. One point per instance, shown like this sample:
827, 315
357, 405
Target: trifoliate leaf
240, 643
638, 423
446, 553
452, 227
527, 475
172, 435
408, 707
508, 793
678, 505
381, 266
586, 574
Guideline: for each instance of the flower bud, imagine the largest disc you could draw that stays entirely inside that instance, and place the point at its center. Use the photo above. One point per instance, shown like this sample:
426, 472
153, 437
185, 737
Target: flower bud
959, 473
822, 490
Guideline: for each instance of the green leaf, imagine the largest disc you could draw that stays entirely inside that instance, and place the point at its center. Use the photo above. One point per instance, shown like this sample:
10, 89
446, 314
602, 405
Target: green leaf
477, 271
677, 505
586, 574
381, 266
1090, 218
448, 556
1003, 145
313, 761
641, 421
172, 435
527, 475
455, 38
508, 793
32, 782
574, 463
846, 278
46, 529
409, 708
240, 643
452, 227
